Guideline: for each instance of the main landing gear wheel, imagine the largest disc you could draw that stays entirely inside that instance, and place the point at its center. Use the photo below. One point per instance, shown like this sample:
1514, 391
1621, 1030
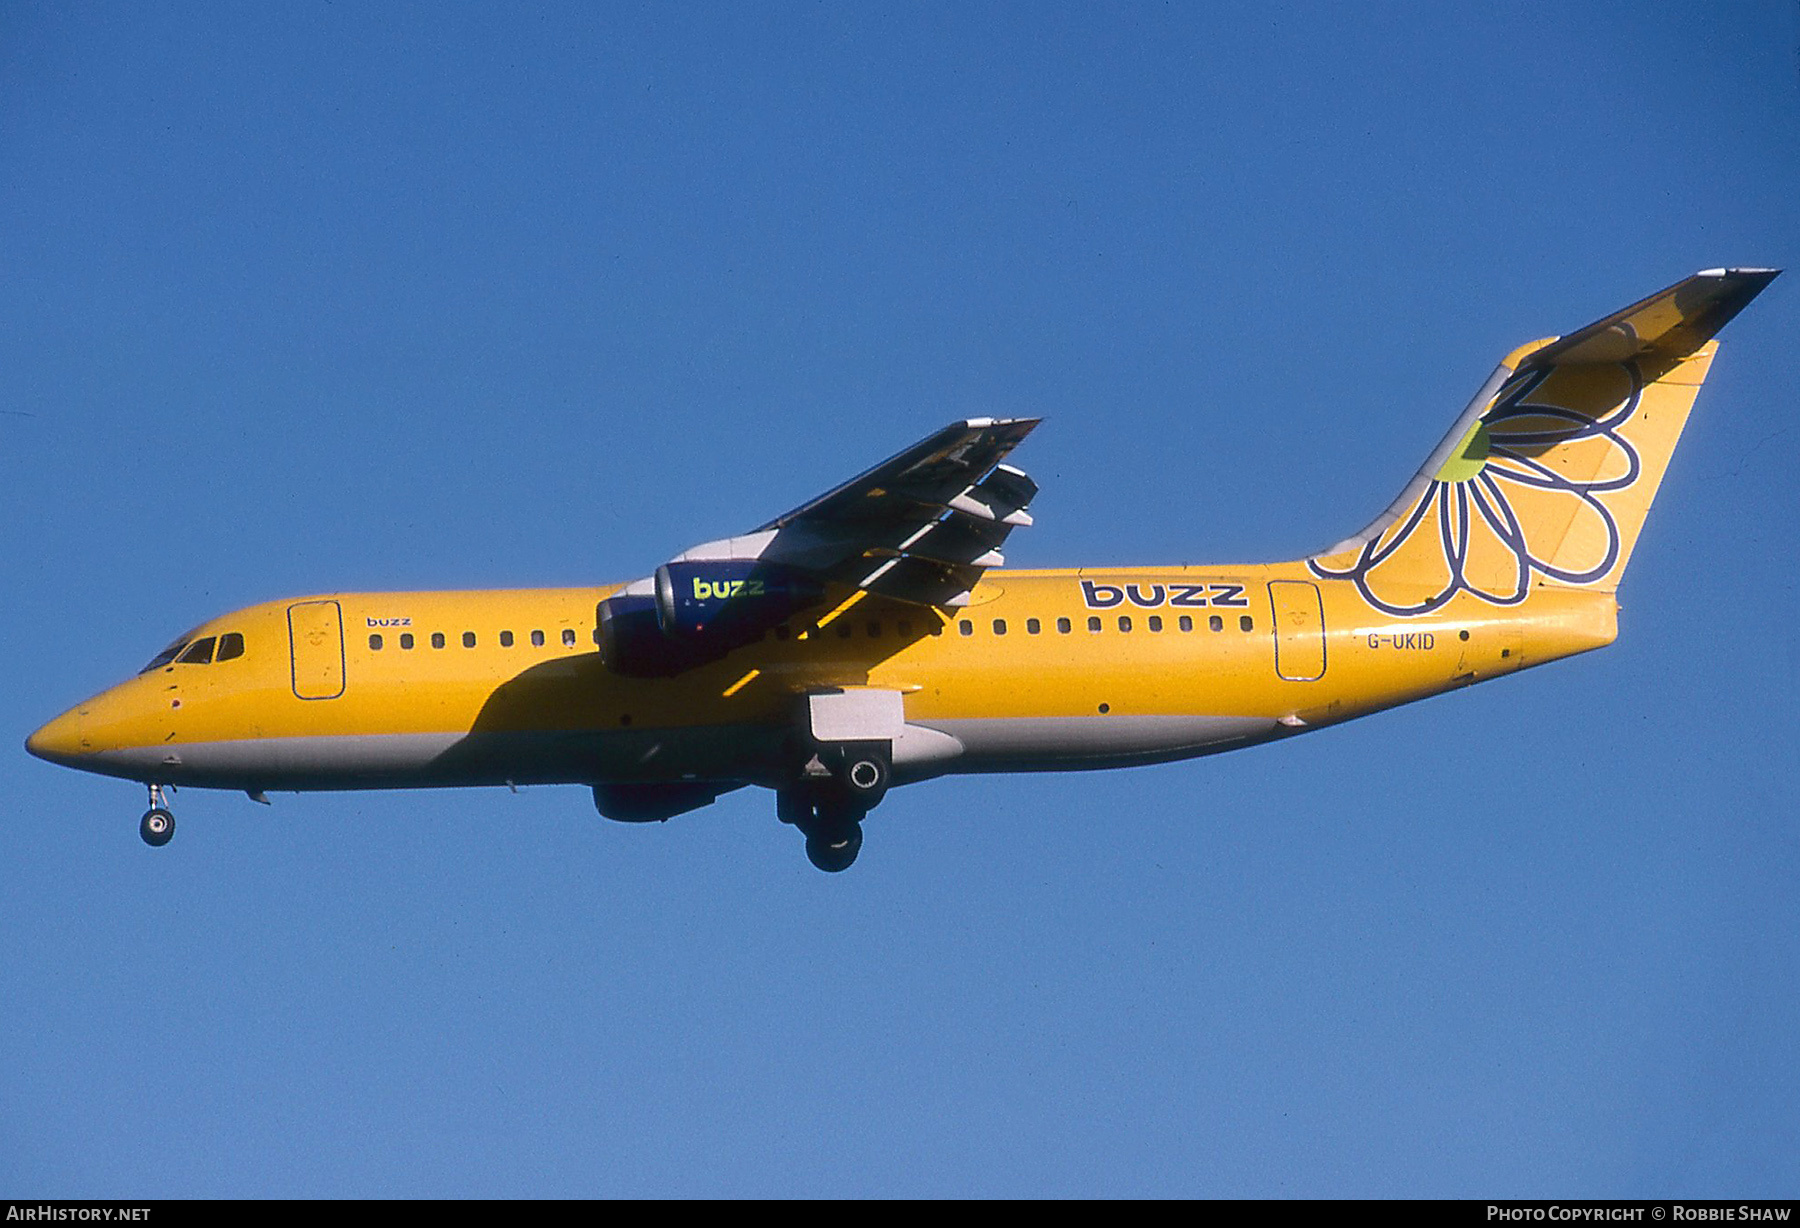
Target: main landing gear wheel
834, 849
832, 826
157, 827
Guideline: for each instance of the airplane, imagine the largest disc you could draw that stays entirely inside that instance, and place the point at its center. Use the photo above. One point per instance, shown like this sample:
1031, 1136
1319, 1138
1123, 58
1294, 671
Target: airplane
872, 636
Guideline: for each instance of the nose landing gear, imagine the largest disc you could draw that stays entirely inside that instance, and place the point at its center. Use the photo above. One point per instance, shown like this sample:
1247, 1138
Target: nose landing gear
157, 827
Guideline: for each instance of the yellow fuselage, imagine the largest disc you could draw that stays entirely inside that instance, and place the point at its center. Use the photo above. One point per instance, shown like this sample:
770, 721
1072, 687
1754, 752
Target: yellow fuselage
1043, 670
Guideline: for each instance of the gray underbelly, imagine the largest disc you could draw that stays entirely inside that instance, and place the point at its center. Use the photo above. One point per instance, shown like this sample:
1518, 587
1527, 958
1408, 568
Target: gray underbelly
1076, 743
755, 754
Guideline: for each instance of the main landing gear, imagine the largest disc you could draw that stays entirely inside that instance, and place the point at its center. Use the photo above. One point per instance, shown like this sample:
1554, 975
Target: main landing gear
832, 826
838, 786
157, 827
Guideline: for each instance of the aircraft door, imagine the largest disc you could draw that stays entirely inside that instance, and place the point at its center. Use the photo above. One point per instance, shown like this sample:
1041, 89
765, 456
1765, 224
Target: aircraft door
1299, 630
316, 640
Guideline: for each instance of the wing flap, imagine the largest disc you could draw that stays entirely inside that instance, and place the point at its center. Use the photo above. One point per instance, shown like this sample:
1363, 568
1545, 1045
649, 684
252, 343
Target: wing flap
921, 528
929, 474
920, 581
958, 539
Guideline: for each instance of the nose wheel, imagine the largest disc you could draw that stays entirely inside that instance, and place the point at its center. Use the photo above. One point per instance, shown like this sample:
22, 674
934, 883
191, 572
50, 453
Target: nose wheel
157, 827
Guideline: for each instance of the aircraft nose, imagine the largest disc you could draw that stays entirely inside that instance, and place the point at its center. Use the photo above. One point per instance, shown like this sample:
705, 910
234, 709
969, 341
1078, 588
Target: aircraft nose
60, 740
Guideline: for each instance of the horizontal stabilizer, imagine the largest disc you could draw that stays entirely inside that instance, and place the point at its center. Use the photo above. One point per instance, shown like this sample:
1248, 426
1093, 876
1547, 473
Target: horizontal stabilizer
1672, 323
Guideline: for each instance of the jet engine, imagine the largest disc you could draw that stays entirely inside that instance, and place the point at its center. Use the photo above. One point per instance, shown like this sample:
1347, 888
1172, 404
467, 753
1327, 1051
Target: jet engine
656, 803
699, 613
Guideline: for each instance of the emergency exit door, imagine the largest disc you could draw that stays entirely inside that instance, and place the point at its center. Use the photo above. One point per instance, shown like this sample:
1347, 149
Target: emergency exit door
316, 640
1299, 630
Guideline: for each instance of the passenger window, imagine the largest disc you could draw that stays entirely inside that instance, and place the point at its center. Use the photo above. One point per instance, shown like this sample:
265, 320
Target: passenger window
903, 627
231, 647
874, 630
568, 638
406, 639
506, 639
200, 652
1187, 623
468, 639
537, 639
1247, 623
999, 626
966, 627
437, 639
1216, 623
375, 642
1124, 622
1062, 626
1033, 626
1094, 624
1155, 622
845, 630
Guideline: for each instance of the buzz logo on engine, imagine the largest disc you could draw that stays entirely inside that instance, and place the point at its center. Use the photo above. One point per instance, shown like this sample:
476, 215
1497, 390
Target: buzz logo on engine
724, 590
744, 597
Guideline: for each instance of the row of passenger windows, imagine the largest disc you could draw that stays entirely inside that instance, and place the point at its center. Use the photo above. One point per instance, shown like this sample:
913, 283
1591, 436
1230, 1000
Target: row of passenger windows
845, 629
1096, 624
469, 640
210, 649
204, 651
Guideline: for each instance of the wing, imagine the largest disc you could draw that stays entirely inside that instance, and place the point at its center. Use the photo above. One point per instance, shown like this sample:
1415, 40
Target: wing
920, 527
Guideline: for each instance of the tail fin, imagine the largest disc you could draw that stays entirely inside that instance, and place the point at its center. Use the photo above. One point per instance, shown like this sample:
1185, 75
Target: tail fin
1548, 475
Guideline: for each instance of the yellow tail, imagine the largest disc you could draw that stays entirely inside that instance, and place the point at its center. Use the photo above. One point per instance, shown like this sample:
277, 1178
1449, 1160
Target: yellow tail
1546, 478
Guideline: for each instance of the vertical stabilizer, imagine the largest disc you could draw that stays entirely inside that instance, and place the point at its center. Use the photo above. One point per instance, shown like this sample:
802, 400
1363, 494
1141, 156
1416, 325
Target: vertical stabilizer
1547, 476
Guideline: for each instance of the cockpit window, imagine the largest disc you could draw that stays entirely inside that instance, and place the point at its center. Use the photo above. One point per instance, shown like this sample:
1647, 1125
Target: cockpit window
231, 646
165, 656
200, 652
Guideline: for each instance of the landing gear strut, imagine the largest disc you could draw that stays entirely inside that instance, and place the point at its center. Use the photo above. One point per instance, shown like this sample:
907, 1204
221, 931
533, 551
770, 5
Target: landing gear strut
832, 826
839, 785
157, 827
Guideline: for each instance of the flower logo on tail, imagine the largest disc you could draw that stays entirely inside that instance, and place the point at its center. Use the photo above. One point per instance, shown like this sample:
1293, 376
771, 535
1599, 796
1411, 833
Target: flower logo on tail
1520, 493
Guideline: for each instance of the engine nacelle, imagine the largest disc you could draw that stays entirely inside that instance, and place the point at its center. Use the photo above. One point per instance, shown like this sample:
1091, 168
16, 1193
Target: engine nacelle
655, 803
728, 600
632, 642
701, 611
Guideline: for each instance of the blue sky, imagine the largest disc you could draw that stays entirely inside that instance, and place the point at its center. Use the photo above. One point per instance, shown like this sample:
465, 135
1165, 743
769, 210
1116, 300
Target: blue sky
302, 298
